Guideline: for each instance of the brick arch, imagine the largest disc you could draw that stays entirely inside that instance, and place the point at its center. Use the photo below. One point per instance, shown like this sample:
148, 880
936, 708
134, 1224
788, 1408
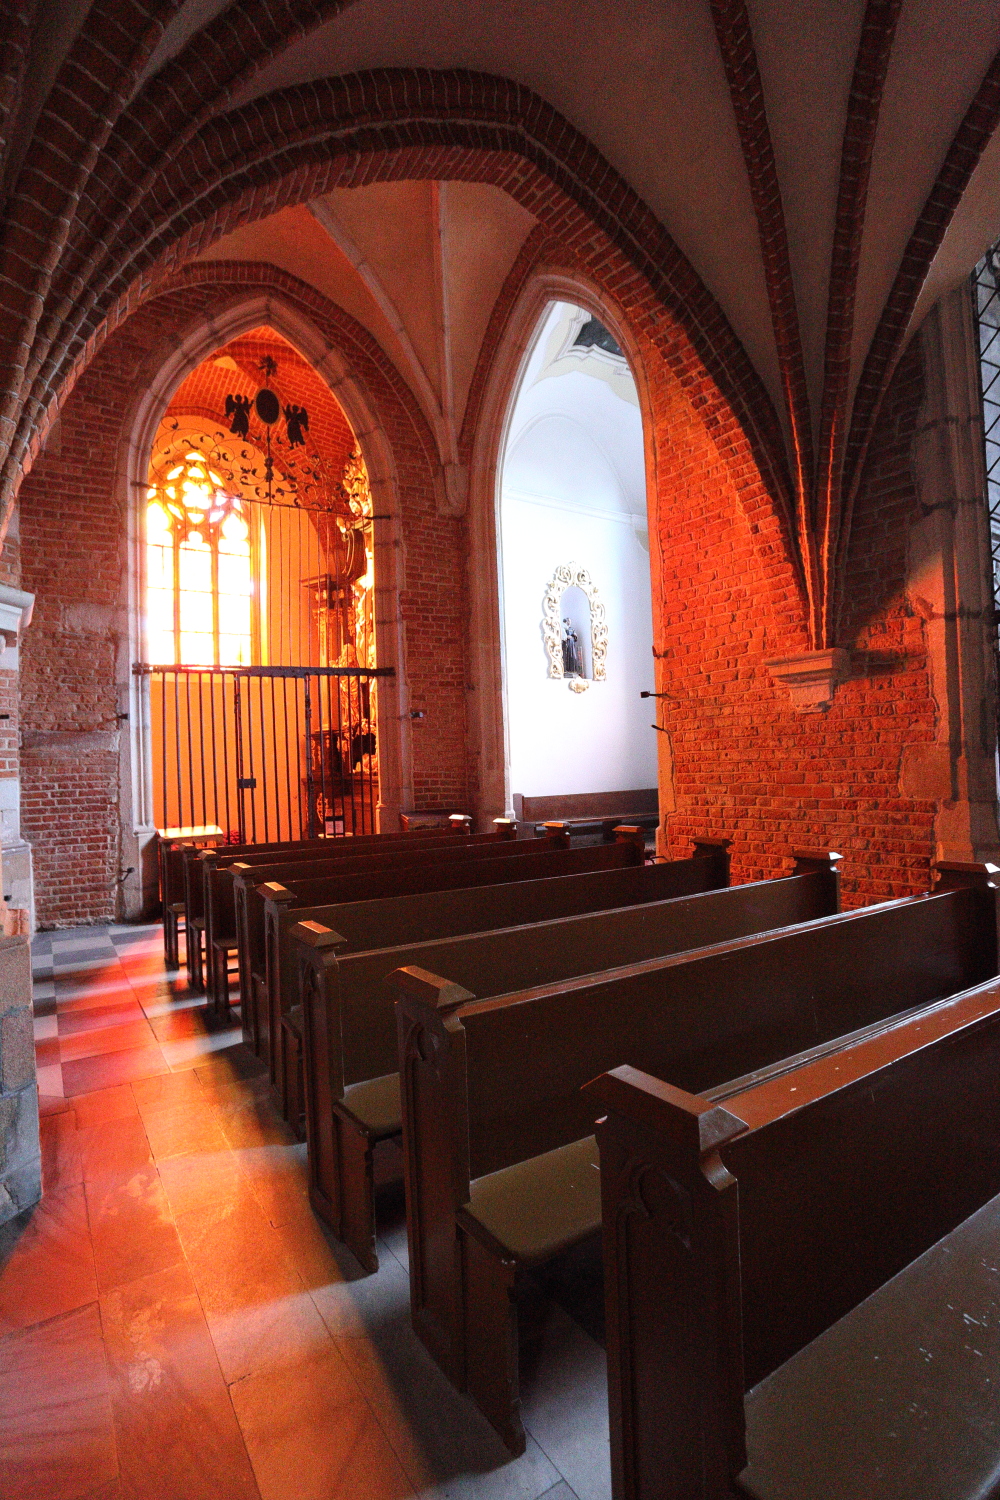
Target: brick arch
542, 273
397, 124
80, 493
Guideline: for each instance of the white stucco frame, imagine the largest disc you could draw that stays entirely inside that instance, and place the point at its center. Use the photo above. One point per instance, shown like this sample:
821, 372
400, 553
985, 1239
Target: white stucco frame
237, 314
488, 746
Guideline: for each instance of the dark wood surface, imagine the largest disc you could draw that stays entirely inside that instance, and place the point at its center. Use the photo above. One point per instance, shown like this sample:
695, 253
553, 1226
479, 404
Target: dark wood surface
589, 805
348, 875
487, 1083
513, 862
349, 1024
899, 1398
433, 916
735, 1233
210, 880
389, 921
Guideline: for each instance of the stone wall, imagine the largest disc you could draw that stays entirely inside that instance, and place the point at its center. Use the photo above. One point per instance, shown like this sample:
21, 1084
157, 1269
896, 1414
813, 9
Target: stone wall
20, 1156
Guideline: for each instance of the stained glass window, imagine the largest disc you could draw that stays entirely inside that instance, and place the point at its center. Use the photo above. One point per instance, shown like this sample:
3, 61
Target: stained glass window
200, 590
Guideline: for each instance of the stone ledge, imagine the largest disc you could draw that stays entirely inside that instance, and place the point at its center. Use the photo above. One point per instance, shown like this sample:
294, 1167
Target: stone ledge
812, 678
69, 743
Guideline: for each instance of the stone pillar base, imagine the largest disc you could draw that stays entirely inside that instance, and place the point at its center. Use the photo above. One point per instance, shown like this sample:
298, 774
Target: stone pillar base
20, 1152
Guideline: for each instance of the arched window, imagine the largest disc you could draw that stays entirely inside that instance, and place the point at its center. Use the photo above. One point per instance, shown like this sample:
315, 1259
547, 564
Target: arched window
200, 591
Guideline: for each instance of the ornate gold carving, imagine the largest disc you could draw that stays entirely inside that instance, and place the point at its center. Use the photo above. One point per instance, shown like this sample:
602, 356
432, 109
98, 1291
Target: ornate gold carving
572, 575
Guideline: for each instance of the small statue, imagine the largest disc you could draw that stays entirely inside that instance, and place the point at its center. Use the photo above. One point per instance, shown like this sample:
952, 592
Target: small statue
297, 420
238, 409
571, 653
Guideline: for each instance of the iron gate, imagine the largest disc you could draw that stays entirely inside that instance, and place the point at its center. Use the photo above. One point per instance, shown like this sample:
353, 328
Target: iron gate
264, 753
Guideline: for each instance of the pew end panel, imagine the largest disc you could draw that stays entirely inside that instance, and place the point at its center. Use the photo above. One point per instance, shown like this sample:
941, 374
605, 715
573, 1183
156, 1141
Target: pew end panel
275, 898
317, 947
628, 833
670, 1241
952, 875
847, 1169
716, 850
825, 862
435, 1128
343, 1124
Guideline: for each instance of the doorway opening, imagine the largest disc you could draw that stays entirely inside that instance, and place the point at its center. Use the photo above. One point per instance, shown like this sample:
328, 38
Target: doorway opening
575, 579
257, 604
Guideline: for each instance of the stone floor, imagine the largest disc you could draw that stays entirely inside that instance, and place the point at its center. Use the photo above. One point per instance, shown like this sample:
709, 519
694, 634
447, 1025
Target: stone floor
174, 1325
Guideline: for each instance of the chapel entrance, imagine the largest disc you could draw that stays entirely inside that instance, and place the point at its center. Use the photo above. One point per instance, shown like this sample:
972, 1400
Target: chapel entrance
257, 587
575, 580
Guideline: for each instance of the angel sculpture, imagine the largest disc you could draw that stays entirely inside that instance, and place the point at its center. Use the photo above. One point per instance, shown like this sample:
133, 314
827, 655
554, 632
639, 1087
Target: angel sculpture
297, 420
238, 410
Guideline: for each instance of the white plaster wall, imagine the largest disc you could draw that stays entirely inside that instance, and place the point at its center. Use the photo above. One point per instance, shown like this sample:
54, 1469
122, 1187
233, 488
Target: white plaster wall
573, 491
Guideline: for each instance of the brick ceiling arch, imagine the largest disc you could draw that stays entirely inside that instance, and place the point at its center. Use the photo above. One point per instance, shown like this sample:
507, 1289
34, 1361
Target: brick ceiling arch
390, 126
838, 217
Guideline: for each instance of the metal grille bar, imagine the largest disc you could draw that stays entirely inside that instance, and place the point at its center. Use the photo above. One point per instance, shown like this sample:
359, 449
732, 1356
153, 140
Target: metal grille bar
264, 753
986, 288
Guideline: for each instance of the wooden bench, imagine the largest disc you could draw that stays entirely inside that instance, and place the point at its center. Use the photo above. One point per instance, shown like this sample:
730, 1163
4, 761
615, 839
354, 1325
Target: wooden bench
778, 1325
499, 1155
200, 865
250, 879
348, 1015
172, 847
216, 902
476, 909
530, 859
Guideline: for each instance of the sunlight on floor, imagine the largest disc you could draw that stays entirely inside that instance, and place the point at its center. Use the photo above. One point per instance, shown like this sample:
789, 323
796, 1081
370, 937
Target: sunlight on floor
174, 1323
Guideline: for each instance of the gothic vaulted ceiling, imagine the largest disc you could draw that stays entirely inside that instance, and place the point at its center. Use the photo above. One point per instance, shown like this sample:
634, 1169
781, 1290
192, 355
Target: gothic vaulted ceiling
828, 169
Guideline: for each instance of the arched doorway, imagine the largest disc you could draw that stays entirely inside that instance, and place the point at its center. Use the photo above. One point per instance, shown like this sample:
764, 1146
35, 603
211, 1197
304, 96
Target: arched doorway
575, 578
256, 603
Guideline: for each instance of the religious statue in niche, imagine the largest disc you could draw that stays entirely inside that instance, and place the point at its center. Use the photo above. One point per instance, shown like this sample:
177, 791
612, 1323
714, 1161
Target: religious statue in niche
567, 651
571, 653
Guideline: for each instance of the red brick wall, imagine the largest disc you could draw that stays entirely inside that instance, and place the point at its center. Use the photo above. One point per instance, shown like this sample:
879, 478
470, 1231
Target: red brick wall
73, 530
746, 765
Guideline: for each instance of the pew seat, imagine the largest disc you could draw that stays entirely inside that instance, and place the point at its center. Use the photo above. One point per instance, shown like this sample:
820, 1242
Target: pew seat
899, 1398
374, 1106
539, 1208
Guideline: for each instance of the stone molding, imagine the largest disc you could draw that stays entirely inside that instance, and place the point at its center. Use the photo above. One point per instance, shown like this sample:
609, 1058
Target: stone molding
812, 678
16, 606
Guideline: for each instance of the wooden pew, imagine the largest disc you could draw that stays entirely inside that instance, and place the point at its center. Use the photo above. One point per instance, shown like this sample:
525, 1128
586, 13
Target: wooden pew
423, 916
197, 902
527, 860
499, 1155
744, 1231
348, 1019
211, 889
172, 847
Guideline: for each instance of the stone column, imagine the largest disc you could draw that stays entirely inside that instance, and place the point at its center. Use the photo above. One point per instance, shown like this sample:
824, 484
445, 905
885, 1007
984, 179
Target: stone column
20, 1154
949, 585
16, 877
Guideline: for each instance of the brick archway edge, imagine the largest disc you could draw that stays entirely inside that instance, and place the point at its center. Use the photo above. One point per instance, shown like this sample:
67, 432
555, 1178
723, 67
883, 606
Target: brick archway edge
395, 124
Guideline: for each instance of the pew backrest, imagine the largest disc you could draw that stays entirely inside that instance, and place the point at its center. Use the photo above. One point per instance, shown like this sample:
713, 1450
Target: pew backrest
217, 902
523, 862
737, 1231
698, 1018
495, 962
431, 915
346, 871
